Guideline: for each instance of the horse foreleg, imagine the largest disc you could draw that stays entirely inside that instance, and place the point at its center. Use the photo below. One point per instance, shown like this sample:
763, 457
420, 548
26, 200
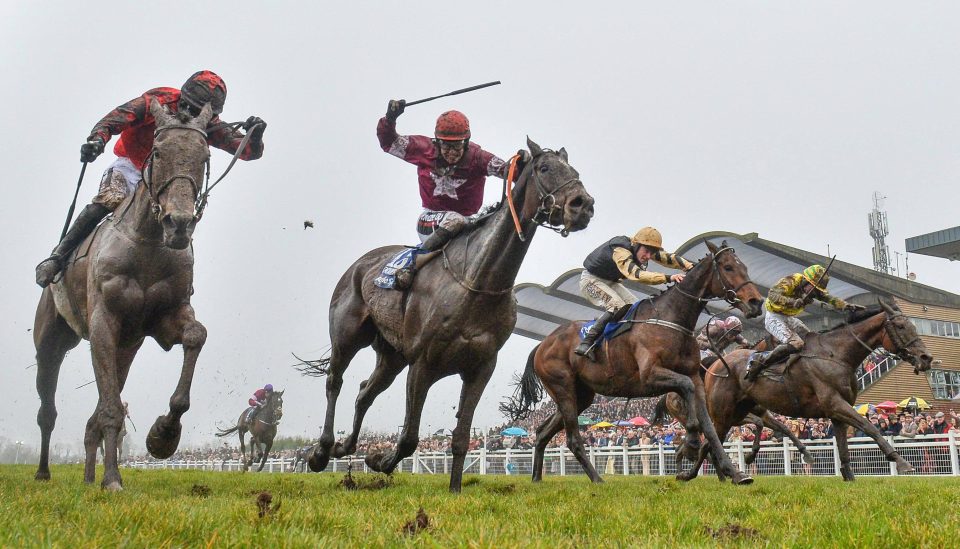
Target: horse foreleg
419, 382
389, 365
182, 328
469, 397
108, 418
266, 453
847, 414
52, 338
545, 433
716, 445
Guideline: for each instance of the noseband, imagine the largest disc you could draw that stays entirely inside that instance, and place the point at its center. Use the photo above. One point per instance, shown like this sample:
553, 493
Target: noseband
729, 291
155, 192
548, 201
899, 341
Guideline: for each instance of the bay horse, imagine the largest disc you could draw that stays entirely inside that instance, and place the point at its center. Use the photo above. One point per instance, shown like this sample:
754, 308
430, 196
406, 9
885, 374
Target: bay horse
453, 320
132, 278
820, 381
657, 355
263, 429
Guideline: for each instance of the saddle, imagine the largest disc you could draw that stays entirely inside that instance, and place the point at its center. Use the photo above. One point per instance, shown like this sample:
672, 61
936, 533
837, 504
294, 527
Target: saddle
402, 260
614, 328
775, 370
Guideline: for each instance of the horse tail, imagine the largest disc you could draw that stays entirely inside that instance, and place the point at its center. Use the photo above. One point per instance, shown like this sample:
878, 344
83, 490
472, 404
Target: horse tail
527, 393
230, 431
312, 368
660, 412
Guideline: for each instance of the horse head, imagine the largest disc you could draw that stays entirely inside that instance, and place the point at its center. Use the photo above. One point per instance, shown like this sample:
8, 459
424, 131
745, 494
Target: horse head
175, 170
900, 337
560, 199
276, 404
732, 281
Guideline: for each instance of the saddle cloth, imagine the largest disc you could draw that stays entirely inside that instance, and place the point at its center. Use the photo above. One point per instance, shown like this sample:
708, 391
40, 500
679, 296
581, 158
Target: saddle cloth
388, 276
613, 329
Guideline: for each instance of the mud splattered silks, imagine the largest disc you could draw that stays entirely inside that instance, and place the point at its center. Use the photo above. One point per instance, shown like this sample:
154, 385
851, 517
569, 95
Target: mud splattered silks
135, 125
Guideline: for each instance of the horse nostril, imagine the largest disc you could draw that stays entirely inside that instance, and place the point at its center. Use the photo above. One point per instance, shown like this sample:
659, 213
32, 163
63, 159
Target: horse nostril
576, 203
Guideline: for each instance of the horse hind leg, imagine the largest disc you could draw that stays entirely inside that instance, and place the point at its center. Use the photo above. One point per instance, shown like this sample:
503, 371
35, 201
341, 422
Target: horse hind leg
545, 433
419, 381
52, 338
571, 399
389, 364
180, 328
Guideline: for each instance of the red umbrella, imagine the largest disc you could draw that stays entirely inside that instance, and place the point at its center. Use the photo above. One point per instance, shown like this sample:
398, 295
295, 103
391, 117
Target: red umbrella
887, 406
639, 420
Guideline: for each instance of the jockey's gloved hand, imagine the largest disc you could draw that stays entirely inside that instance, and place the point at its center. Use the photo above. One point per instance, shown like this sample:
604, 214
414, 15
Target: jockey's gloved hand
523, 156
797, 303
395, 109
90, 150
257, 125
853, 307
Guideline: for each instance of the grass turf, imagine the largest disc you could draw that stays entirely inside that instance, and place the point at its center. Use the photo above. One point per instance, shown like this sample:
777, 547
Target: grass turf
205, 509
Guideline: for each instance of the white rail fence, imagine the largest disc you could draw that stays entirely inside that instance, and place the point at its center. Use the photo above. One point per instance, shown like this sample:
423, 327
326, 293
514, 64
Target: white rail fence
931, 455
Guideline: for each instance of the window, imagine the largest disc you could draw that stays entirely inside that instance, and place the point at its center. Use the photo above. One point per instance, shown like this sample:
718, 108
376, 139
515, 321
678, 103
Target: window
925, 326
945, 383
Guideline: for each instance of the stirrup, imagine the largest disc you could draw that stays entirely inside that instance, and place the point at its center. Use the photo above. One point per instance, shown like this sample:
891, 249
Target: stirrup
589, 352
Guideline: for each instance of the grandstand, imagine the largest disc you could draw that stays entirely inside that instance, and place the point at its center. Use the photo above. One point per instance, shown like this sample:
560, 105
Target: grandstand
935, 312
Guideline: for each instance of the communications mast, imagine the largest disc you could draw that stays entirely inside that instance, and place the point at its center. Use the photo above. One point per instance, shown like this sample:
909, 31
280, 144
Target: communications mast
878, 231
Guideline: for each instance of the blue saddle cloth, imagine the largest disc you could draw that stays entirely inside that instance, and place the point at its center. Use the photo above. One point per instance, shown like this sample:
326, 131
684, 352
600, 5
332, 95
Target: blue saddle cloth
612, 329
388, 276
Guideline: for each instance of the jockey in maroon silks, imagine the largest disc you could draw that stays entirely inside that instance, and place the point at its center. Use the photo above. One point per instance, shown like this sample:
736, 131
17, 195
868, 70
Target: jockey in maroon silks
136, 126
259, 398
451, 170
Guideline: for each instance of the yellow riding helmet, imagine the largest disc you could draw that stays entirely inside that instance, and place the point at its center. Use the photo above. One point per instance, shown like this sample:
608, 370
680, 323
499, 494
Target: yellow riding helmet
817, 276
648, 236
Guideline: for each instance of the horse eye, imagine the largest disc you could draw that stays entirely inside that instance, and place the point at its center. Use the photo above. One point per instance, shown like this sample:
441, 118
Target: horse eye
728, 268
544, 168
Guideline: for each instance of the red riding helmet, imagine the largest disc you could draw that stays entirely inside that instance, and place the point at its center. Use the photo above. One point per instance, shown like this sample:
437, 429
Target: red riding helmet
204, 87
452, 126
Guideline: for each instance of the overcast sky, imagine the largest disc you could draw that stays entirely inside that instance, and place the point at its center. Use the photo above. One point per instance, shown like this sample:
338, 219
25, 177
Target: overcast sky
779, 118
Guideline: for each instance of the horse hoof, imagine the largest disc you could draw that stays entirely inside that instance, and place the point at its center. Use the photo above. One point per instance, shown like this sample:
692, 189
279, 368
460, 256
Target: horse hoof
162, 441
905, 468
375, 462
685, 476
317, 460
114, 486
742, 480
808, 459
42, 475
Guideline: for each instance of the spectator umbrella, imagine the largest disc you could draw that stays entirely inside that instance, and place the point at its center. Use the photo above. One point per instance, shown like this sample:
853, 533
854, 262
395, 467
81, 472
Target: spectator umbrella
913, 403
887, 406
514, 432
640, 421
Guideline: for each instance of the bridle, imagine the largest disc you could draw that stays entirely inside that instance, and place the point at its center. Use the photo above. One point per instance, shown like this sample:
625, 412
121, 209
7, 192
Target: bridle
156, 191
729, 290
902, 351
548, 201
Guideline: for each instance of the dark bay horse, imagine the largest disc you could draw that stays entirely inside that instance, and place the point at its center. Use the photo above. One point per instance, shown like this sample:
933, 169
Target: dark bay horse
674, 404
263, 429
820, 381
454, 319
659, 354
132, 278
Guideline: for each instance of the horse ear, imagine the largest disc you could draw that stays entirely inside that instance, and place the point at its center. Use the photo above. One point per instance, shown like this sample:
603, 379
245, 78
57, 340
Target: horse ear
711, 246
206, 113
157, 110
563, 153
535, 149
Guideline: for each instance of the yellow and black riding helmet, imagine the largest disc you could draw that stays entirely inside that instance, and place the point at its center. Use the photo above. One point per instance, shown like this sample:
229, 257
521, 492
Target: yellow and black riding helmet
817, 276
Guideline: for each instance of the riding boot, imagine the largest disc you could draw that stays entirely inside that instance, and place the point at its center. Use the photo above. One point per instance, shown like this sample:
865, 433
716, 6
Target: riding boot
779, 352
593, 333
437, 240
86, 221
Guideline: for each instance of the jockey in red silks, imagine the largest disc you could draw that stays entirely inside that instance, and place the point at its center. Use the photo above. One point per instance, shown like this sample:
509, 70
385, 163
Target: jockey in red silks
452, 172
136, 126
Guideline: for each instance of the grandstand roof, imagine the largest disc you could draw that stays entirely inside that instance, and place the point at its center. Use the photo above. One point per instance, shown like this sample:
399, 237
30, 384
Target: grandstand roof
945, 244
541, 309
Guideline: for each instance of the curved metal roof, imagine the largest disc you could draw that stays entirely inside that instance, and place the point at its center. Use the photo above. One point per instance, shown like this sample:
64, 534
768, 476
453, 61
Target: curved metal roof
541, 309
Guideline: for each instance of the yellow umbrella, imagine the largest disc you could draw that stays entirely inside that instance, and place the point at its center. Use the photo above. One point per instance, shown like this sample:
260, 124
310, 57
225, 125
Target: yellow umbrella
602, 425
914, 402
865, 409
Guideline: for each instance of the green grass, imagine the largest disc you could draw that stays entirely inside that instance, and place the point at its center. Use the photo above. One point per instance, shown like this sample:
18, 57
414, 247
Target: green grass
161, 509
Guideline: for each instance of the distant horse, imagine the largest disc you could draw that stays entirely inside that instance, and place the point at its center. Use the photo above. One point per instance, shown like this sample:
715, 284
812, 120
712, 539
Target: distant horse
263, 429
300, 459
131, 279
673, 404
453, 320
820, 381
657, 355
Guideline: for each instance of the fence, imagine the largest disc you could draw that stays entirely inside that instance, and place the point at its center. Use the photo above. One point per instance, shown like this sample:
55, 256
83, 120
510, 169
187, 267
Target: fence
931, 455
